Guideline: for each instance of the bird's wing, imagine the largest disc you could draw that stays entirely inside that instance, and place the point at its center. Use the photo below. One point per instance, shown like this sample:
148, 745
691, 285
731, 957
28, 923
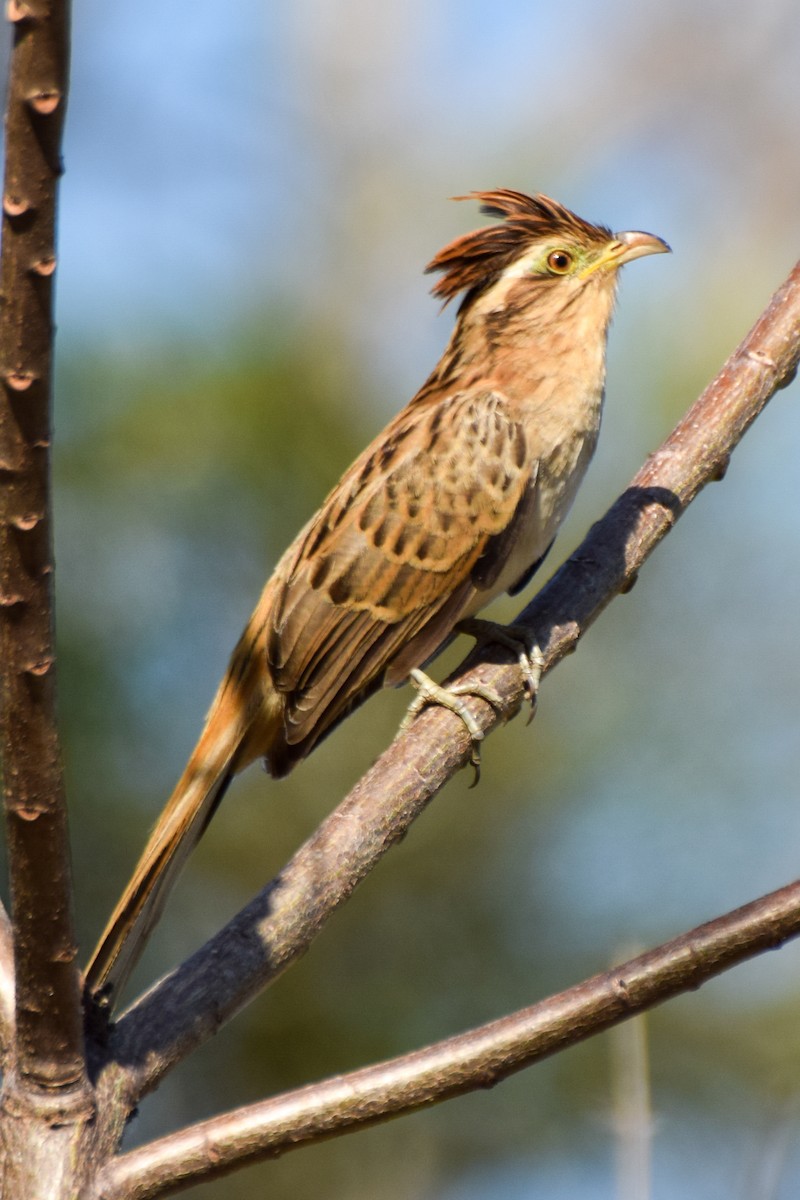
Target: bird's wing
420, 523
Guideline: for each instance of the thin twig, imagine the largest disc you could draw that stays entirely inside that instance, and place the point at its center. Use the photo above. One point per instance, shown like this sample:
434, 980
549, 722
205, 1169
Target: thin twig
50, 1057
188, 1006
478, 1059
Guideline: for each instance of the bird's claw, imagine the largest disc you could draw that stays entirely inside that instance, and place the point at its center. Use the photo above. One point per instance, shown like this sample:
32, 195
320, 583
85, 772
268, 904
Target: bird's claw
531, 664
429, 692
518, 639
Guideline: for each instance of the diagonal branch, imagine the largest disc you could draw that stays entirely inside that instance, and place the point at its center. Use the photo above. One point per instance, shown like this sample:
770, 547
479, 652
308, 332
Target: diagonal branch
50, 1057
187, 1008
477, 1059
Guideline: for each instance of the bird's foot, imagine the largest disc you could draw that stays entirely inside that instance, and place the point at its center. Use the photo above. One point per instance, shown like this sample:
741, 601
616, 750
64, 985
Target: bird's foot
429, 692
521, 641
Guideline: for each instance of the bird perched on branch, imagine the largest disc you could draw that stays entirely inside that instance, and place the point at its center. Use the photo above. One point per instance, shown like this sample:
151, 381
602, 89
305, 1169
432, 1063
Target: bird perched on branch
456, 501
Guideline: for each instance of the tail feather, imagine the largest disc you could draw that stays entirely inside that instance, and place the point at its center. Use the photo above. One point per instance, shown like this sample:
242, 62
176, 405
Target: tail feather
228, 743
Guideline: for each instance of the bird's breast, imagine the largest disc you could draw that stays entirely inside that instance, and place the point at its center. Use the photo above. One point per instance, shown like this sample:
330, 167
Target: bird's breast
561, 444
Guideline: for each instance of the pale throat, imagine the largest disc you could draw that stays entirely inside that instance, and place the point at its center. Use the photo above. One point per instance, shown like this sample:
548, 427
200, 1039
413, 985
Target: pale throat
546, 348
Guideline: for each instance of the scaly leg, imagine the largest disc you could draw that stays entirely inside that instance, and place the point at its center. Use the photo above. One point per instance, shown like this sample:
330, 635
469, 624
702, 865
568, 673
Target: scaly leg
531, 664
430, 692
521, 641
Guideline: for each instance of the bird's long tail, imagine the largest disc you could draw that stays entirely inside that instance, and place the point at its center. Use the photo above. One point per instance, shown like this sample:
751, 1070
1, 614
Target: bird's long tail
229, 742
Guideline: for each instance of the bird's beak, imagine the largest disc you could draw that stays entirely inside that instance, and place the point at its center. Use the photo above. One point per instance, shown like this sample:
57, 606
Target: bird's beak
636, 244
624, 248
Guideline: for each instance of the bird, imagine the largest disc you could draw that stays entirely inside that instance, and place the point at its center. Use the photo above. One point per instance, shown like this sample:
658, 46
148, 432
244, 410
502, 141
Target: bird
456, 501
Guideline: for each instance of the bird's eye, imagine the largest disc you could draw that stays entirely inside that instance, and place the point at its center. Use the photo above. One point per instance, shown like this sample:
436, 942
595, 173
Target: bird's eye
559, 262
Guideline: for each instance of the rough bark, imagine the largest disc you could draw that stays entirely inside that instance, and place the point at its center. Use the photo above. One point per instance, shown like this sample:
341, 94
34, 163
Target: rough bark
46, 1099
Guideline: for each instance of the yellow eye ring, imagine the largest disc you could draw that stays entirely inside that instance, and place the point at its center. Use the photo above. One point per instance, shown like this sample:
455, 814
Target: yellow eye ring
559, 262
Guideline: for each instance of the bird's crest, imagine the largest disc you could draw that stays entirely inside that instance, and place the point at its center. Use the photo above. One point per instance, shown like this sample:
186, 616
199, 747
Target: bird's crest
475, 260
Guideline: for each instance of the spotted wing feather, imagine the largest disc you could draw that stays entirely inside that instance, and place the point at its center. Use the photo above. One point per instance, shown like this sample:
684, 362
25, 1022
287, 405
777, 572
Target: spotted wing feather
376, 582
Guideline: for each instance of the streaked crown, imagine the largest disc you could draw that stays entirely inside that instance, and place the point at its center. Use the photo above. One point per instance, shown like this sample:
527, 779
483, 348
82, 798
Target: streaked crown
476, 260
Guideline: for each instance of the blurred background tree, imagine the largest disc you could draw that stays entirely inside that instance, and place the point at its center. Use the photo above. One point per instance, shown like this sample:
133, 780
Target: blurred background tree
248, 205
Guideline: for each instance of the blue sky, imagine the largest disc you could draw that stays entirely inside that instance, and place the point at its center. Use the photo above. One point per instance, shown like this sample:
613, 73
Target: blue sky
216, 157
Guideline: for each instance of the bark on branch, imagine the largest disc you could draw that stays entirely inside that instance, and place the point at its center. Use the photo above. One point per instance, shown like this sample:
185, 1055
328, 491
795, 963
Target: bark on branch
188, 1007
49, 1043
477, 1059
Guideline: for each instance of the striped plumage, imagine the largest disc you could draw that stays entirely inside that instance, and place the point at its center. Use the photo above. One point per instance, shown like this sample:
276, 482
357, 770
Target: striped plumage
448, 507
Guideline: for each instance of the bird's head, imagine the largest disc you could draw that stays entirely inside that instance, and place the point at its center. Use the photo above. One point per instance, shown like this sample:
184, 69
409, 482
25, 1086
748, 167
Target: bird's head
540, 250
